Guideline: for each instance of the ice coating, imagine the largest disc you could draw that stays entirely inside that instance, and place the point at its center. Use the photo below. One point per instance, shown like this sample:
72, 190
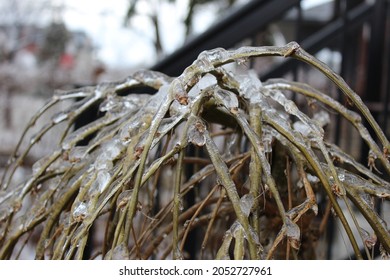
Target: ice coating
228, 99
123, 198
102, 162
120, 252
59, 117
38, 165
101, 182
196, 133
302, 128
322, 118
341, 176
267, 140
246, 203
312, 179
250, 87
136, 138
77, 153
235, 228
213, 56
293, 233
80, 211
112, 149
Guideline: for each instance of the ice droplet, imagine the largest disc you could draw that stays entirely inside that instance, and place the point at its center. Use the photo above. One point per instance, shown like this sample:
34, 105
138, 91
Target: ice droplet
293, 233
80, 212
17, 225
246, 203
181, 204
196, 133
312, 179
341, 176
314, 208
59, 117
214, 55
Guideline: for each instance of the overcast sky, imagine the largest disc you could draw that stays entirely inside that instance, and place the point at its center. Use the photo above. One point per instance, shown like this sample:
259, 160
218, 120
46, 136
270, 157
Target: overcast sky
123, 46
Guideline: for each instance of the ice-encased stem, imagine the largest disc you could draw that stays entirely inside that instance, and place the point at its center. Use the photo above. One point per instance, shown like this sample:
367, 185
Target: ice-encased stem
227, 182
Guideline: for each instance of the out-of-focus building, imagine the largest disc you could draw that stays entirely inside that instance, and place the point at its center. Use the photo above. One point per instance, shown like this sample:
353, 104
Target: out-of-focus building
32, 66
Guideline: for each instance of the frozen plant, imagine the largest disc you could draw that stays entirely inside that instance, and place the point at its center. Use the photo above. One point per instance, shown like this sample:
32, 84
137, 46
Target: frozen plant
185, 171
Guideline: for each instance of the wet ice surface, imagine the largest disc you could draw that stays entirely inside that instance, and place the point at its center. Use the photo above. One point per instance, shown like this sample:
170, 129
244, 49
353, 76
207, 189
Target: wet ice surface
101, 182
120, 252
250, 87
246, 204
123, 198
293, 233
124, 126
196, 133
80, 211
229, 100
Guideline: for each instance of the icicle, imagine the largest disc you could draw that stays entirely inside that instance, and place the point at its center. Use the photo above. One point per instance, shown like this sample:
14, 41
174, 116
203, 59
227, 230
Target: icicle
230, 145
267, 140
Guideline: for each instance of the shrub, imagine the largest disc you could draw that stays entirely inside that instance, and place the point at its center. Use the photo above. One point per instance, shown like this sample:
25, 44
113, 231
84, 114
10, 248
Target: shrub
213, 165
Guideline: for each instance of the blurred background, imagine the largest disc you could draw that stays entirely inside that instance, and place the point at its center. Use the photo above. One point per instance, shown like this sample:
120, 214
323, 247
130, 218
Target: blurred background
62, 44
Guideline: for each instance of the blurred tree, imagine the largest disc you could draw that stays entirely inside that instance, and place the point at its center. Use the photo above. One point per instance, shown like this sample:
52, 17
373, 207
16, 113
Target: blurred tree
154, 15
14, 16
55, 41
